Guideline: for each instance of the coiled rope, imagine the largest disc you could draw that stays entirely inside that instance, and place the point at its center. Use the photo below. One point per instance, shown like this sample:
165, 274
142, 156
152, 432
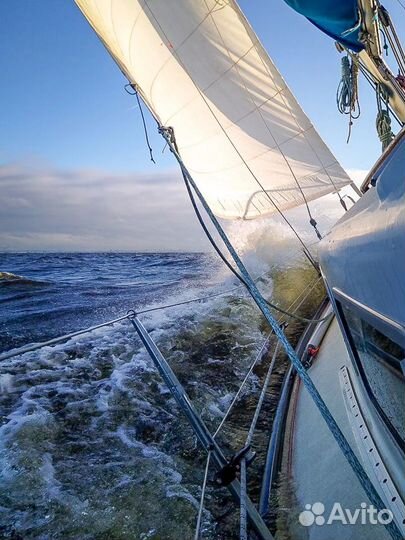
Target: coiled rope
383, 120
347, 94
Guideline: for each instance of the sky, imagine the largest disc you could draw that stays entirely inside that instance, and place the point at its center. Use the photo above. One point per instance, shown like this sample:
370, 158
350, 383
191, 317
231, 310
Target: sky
75, 172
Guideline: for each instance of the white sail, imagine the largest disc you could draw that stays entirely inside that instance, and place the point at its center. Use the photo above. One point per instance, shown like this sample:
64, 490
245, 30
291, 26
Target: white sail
202, 71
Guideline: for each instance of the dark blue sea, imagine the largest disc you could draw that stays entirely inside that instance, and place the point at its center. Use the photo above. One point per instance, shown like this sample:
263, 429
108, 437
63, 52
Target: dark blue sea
92, 443
45, 295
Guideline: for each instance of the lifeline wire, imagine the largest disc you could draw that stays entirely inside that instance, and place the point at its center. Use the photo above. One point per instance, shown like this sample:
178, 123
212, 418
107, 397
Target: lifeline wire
243, 522
60, 339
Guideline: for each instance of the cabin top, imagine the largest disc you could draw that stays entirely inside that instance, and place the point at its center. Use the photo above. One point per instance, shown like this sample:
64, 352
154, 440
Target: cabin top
363, 257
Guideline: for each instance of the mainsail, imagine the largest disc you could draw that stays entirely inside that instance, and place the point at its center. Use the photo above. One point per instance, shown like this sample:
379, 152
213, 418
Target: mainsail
202, 71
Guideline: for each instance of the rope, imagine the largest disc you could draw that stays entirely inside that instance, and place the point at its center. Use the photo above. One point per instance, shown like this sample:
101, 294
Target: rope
225, 260
202, 298
347, 97
383, 120
373, 83
307, 381
201, 507
168, 133
298, 317
145, 129
243, 482
385, 44
243, 511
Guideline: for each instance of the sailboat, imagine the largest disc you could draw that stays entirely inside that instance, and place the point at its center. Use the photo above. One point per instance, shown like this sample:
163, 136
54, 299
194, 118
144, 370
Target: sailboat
246, 150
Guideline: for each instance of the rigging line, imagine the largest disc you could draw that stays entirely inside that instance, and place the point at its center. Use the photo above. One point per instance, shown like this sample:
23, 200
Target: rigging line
373, 83
237, 275
397, 41
311, 286
201, 507
145, 129
185, 302
243, 481
60, 339
229, 139
224, 259
298, 317
249, 94
172, 141
389, 31
208, 234
397, 53
54, 341
238, 393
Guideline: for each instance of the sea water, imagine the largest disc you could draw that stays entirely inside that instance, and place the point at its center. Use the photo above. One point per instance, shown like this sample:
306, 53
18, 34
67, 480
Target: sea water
92, 444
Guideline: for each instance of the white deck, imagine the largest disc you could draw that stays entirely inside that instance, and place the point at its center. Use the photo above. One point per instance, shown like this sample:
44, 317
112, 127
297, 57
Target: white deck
319, 470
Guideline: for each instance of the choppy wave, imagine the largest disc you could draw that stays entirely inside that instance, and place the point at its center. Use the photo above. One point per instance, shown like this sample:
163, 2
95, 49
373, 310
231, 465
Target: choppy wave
92, 443
8, 278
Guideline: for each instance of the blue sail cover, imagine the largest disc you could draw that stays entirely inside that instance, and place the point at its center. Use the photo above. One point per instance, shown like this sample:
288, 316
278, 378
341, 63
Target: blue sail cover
339, 19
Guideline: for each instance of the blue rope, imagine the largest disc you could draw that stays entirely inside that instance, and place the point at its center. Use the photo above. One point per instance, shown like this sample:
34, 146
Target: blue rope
309, 385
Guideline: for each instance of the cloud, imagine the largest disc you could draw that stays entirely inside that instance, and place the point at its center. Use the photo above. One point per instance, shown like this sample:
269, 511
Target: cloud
42, 208
88, 210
